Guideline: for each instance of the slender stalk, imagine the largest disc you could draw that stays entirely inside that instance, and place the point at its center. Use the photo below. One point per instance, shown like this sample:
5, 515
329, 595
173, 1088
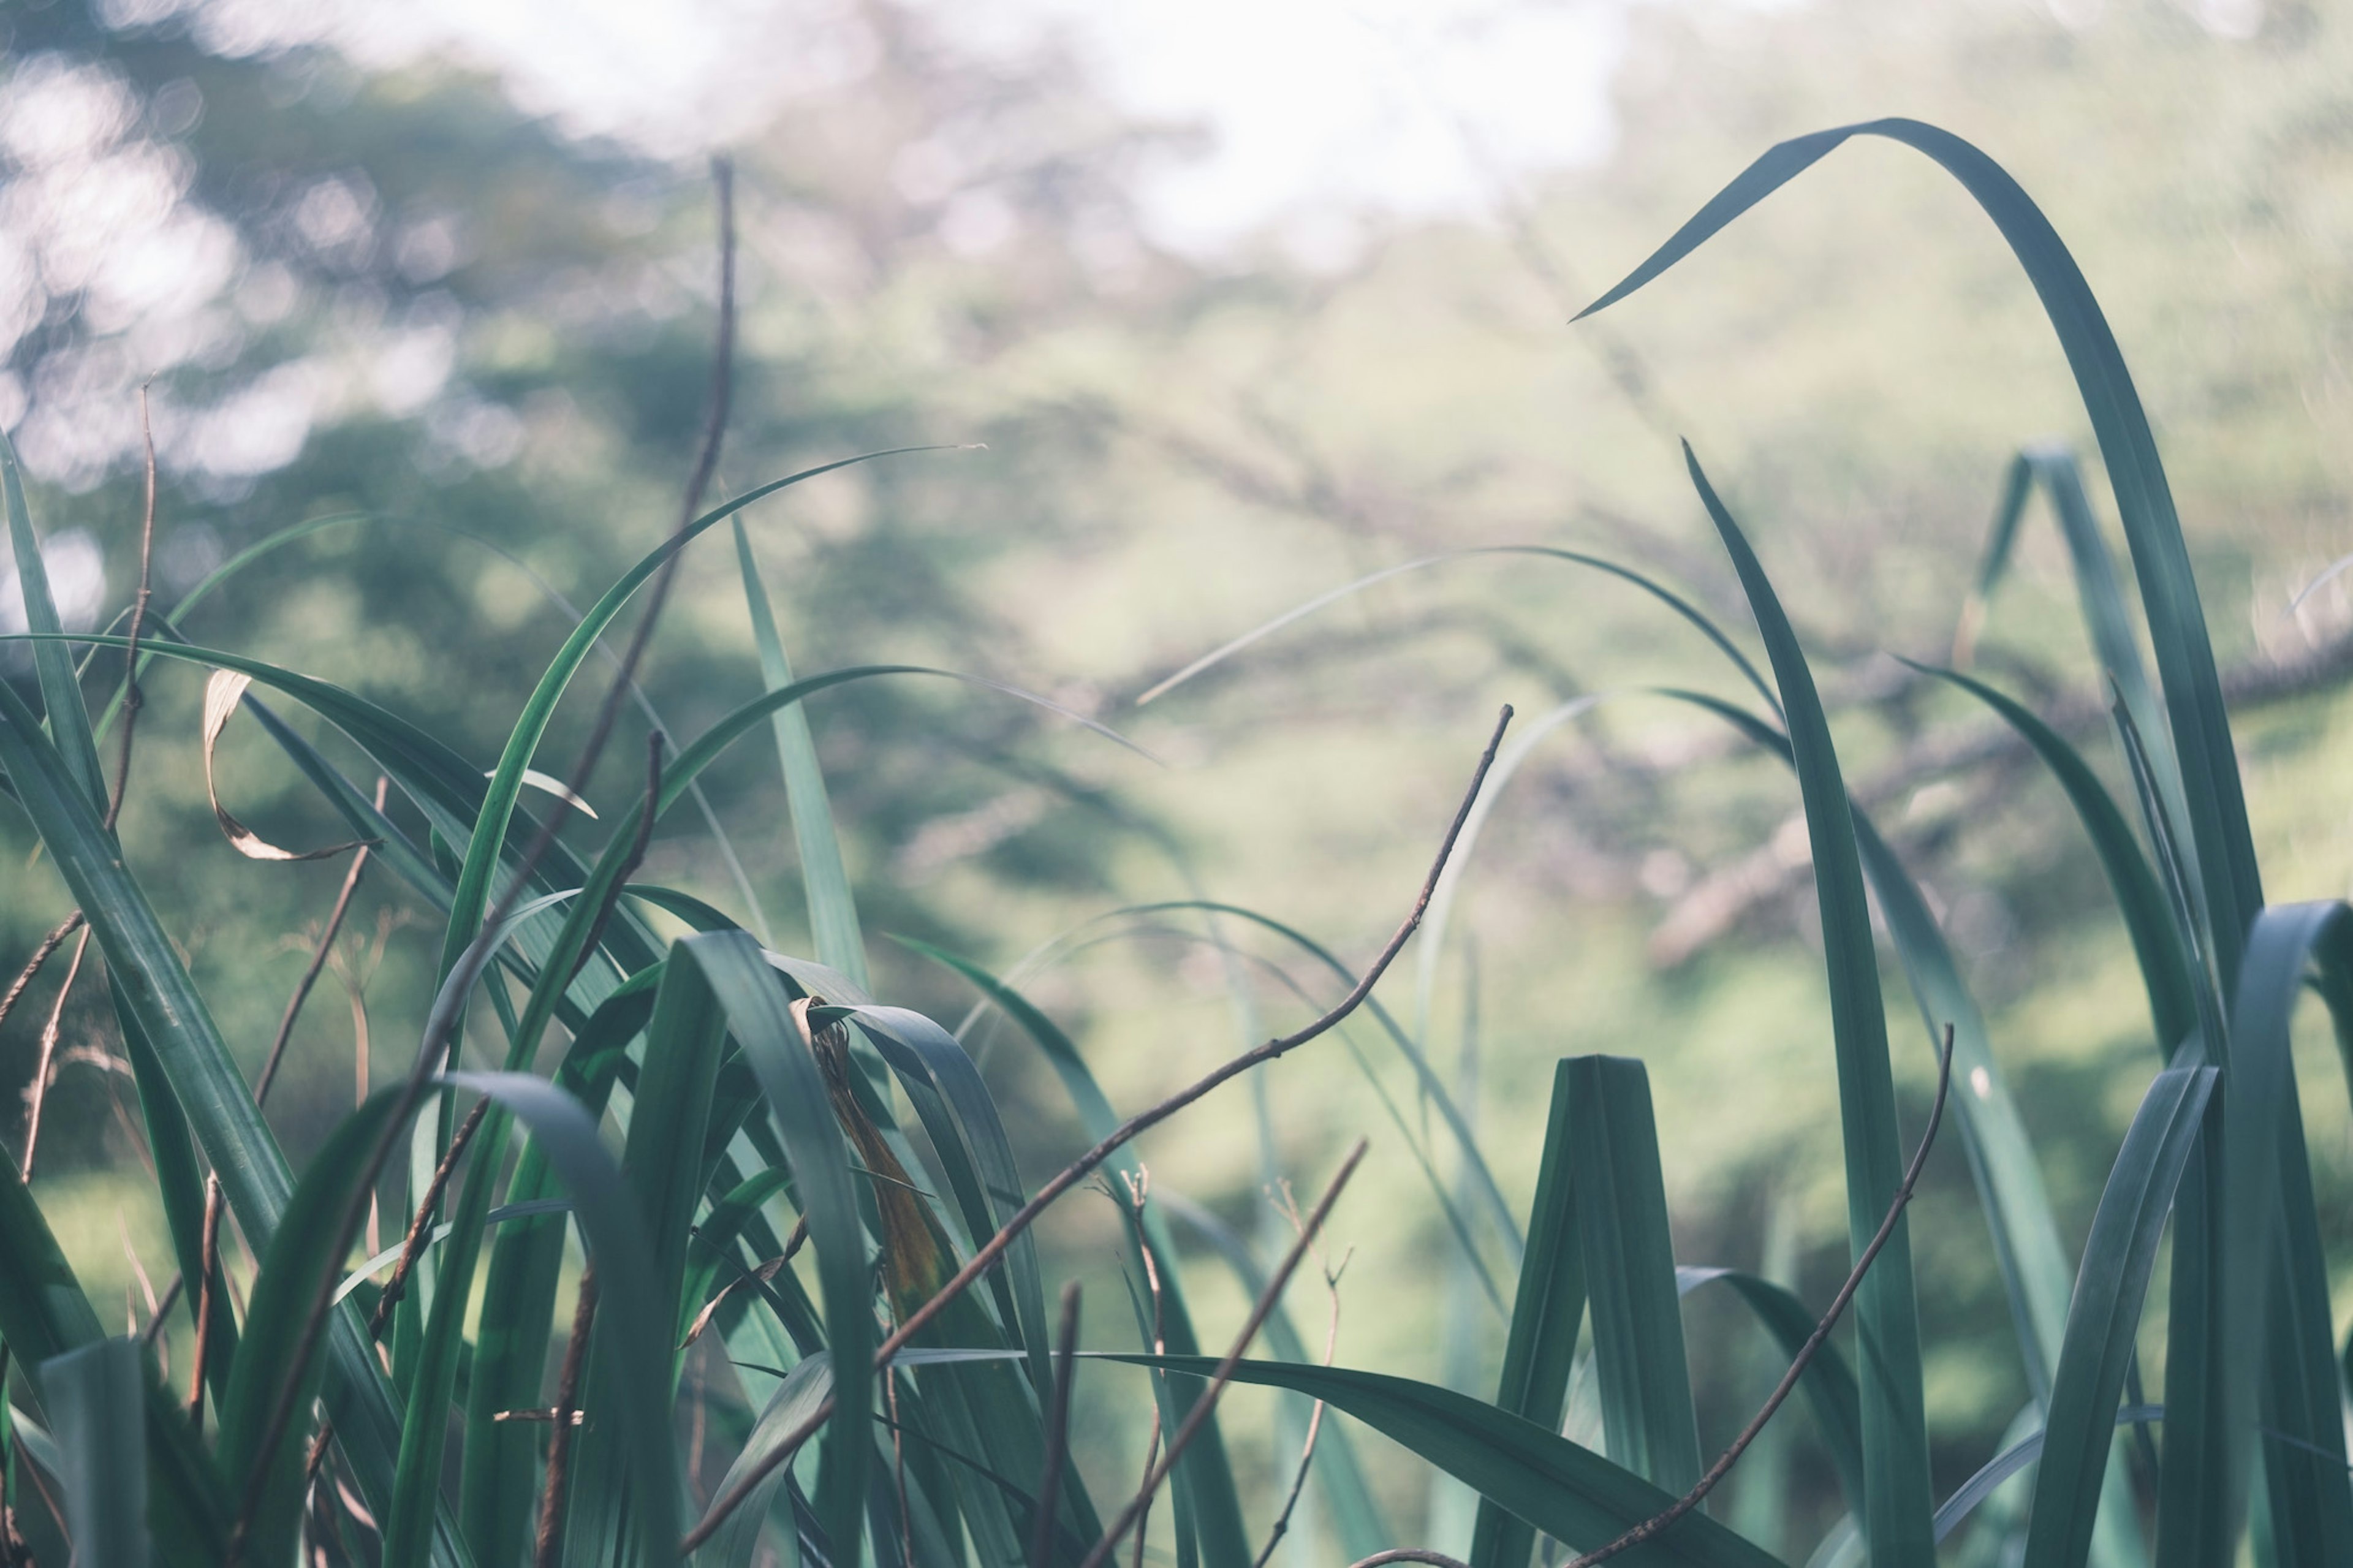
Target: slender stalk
413, 1244
318, 960
209, 1259
1058, 1433
39, 1090
559, 1441
1315, 1417
1806, 1352
1204, 1406
1085, 1164
132, 698
1409, 1554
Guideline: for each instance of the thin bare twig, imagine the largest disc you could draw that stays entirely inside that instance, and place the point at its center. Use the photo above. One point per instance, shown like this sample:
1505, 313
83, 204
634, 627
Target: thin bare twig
32, 969
1409, 1554
1806, 1352
1058, 1432
565, 1416
38, 1092
1207, 1404
1079, 1170
132, 698
441, 1026
1315, 1416
413, 1244
318, 958
207, 1260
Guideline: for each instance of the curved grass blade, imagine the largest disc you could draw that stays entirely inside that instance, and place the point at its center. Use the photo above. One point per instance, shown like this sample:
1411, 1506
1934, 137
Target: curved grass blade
2276, 1330
662, 1163
2157, 941
96, 1405
759, 1014
1541, 1345
299, 1257
498, 1491
1203, 1474
69, 728
631, 1343
2079, 1432
1647, 1416
1566, 1491
2216, 812
1666, 596
832, 908
1897, 1502
1955, 1508
1827, 1382
960, 1117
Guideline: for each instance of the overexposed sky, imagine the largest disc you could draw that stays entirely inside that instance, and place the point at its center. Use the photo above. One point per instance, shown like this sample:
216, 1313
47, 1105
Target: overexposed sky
1316, 111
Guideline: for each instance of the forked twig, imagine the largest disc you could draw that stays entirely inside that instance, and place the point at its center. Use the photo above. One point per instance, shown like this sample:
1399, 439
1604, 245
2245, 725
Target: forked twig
1315, 1416
1207, 1403
1806, 1352
32, 970
1078, 1171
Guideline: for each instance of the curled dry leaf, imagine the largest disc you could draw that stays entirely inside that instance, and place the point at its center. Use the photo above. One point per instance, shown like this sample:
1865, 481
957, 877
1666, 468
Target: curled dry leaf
223, 692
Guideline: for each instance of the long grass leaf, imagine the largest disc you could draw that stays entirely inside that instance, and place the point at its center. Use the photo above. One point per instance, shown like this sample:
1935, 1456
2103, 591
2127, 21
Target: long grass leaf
832, 908
1566, 1491
1896, 1457
52, 662
2103, 1322
96, 1398
1540, 1346
631, 1343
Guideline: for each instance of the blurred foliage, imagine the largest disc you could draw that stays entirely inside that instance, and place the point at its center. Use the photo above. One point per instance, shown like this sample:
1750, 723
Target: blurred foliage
388, 290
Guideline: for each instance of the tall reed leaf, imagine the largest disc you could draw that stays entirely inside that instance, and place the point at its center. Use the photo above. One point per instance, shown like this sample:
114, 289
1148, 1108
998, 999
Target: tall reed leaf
1897, 1502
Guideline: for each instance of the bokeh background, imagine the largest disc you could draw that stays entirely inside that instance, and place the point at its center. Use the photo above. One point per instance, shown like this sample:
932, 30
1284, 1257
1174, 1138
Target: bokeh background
1235, 303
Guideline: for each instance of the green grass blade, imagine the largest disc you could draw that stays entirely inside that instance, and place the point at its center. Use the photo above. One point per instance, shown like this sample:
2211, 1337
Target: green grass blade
2016, 1457
1648, 585
794, 1402
2119, 1255
961, 1120
1566, 1491
219, 1107
2194, 695
1547, 1310
1896, 1452
179, 1186
484, 847
300, 1256
1828, 1382
759, 1014
1204, 1470
669, 1120
832, 908
498, 1487
1647, 1415
2276, 1329
2147, 916
97, 1402
52, 662
631, 1344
